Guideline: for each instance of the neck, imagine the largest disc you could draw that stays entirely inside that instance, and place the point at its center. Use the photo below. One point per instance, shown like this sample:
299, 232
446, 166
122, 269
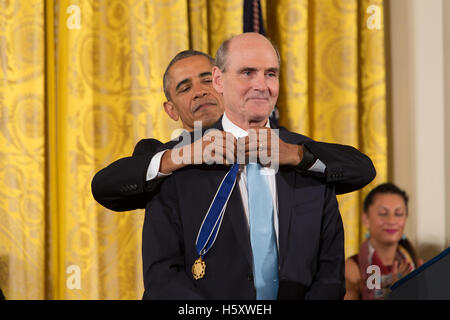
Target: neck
246, 124
187, 127
386, 252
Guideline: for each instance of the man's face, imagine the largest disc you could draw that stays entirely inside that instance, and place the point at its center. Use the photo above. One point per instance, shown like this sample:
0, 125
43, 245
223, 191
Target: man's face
192, 96
250, 82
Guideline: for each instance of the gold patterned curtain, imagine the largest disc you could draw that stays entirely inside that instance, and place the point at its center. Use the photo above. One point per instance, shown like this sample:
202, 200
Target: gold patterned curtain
333, 82
81, 83
22, 150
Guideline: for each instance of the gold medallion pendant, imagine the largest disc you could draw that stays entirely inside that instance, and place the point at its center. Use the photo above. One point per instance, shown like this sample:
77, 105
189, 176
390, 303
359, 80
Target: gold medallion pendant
198, 269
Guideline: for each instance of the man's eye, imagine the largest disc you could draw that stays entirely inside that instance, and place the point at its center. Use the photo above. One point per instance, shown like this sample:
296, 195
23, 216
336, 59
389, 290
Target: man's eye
207, 80
184, 89
272, 74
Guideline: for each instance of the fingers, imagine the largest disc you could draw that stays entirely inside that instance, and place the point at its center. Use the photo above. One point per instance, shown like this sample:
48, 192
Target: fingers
405, 268
229, 148
219, 147
395, 277
261, 145
258, 146
395, 267
400, 270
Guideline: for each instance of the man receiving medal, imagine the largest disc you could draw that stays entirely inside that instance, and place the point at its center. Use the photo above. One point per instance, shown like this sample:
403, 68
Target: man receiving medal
245, 231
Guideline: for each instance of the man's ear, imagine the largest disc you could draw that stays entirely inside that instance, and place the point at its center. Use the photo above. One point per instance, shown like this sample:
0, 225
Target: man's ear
171, 110
217, 79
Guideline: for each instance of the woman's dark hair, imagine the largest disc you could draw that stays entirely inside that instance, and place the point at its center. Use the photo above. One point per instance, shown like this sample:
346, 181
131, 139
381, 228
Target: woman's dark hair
410, 249
384, 188
390, 188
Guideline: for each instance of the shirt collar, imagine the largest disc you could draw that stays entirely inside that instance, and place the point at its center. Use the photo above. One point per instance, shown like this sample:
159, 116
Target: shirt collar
238, 132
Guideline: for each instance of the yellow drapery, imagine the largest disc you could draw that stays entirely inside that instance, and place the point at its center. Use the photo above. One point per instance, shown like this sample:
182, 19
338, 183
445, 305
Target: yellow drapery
81, 83
333, 86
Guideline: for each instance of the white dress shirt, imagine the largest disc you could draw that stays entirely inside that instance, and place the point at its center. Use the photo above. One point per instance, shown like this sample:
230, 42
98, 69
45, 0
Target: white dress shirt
269, 173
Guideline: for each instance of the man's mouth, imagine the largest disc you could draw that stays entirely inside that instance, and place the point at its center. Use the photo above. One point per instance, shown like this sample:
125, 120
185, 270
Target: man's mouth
204, 105
258, 99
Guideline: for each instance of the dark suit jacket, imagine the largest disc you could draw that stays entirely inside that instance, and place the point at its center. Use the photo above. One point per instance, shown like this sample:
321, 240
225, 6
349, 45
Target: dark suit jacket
311, 238
122, 185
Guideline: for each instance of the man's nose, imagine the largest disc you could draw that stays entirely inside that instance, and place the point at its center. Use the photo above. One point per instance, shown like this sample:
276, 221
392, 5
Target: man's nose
259, 82
200, 93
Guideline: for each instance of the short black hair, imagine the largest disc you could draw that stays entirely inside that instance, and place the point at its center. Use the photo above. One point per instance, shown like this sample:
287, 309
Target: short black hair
384, 188
180, 56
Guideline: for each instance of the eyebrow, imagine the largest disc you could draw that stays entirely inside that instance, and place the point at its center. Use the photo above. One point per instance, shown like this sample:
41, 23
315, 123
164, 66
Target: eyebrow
182, 82
254, 69
188, 80
387, 209
205, 74
246, 69
273, 70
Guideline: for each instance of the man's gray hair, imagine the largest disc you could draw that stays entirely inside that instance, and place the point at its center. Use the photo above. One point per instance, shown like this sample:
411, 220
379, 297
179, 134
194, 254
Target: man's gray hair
180, 56
221, 55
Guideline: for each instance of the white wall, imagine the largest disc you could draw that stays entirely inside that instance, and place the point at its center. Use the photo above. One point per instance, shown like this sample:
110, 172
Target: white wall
446, 11
419, 63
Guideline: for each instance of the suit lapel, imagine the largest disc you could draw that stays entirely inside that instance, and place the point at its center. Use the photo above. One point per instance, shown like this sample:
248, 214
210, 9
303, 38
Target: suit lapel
235, 212
285, 180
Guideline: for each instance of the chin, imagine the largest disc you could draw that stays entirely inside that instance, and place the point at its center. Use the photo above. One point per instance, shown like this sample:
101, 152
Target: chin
259, 115
208, 112
260, 108
391, 240
209, 120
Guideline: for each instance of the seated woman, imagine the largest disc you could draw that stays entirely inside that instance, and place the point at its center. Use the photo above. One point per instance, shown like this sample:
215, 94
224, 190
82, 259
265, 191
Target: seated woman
385, 214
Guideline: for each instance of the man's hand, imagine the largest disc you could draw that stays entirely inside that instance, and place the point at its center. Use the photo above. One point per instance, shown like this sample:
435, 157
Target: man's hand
262, 145
266, 146
215, 146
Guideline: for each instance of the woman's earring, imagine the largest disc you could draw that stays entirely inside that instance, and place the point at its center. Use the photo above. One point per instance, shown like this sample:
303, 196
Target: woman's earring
403, 237
367, 235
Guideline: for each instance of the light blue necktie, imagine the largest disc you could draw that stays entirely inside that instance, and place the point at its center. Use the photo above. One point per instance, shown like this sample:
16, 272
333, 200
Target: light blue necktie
262, 234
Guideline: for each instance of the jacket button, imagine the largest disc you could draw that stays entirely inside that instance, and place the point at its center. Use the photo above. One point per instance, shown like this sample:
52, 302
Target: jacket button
250, 277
